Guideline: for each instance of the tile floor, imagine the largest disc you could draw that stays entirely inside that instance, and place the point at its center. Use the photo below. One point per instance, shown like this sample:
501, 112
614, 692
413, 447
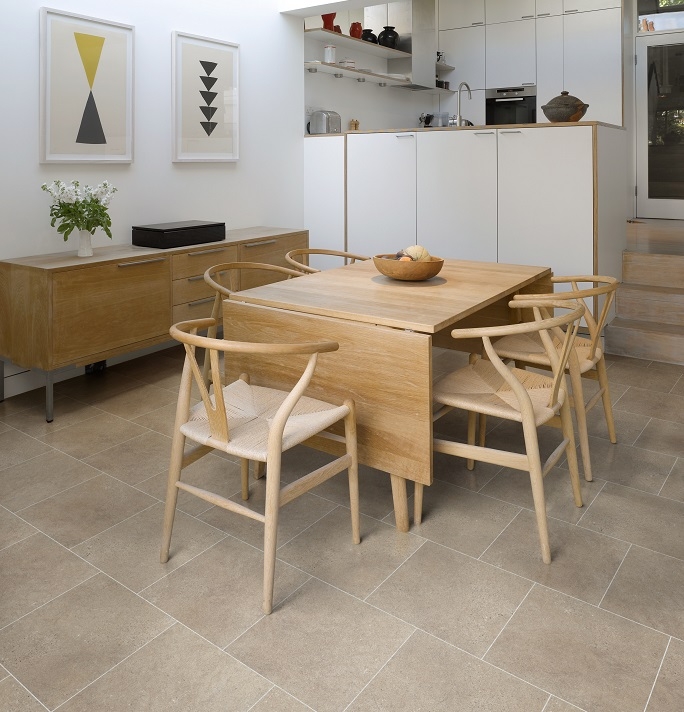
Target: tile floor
458, 614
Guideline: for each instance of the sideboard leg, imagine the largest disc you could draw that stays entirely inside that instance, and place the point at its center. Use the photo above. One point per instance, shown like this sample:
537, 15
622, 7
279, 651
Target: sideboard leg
49, 395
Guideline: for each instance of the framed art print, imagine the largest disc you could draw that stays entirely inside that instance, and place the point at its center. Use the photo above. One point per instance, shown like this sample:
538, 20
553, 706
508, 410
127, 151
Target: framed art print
86, 77
205, 99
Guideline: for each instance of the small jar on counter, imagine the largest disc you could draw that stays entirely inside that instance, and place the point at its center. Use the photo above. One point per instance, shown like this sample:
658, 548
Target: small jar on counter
354, 125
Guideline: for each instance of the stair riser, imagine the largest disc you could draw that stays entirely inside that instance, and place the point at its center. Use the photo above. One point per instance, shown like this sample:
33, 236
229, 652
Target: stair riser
647, 306
652, 269
668, 348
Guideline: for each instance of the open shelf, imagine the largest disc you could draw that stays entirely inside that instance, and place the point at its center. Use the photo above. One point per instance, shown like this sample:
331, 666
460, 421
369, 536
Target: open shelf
336, 69
340, 40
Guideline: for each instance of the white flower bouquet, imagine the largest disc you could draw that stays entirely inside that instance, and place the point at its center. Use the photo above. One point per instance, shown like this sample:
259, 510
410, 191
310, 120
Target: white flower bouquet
79, 207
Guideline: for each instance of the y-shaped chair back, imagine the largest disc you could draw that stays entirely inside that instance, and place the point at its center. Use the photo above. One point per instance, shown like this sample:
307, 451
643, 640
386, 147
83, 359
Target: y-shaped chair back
299, 258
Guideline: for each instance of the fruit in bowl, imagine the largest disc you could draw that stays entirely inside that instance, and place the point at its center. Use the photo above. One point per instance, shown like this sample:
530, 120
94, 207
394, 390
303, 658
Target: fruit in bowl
413, 264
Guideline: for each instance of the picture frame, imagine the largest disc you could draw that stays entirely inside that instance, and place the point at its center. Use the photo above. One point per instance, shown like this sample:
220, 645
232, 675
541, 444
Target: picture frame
205, 96
86, 89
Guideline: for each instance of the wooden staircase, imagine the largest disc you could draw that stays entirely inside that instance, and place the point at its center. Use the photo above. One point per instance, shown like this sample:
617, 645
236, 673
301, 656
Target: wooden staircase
649, 320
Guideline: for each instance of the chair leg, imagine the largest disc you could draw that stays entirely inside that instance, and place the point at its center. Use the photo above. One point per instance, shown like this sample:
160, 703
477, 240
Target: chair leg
175, 465
259, 470
571, 452
418, 503
602, 374
353, 470
537, 482
472, 422
244, 478
271, 527
581, 413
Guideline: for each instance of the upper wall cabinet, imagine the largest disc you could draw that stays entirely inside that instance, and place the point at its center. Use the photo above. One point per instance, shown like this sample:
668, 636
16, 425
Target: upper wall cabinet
464, 48
588, 5
546, 8
510, 54
460, 13
509, 10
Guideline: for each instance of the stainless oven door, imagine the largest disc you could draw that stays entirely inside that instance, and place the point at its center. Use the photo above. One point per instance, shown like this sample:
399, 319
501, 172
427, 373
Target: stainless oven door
511, 105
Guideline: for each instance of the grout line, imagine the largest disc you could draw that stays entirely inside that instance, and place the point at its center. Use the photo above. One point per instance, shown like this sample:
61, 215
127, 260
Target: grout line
657, 675
614, 577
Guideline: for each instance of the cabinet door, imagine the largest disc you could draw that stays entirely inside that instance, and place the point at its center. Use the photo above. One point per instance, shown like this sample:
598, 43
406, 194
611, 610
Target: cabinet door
99, 308
549, 61
570, 6
593, 62
508, 10
545, 8
457, 194
381, 192
510, 54
465, 50
546, 198
270, 251
460, 13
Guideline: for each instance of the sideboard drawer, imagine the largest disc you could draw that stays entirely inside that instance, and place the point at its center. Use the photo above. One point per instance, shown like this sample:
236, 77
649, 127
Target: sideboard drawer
196, 262
190, 289
198, 309
269, 251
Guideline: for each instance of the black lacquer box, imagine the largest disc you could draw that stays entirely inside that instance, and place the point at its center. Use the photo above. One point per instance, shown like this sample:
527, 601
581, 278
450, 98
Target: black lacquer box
178, 234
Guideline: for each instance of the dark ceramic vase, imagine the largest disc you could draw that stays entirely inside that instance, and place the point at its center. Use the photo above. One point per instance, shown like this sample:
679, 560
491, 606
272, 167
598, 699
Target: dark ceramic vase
388, 37
369, 36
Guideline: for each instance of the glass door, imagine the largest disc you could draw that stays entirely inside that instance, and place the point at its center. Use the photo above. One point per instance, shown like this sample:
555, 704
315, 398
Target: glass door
660, 125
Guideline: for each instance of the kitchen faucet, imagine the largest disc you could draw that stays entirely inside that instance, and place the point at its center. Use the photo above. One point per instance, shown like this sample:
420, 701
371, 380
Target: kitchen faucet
459, 118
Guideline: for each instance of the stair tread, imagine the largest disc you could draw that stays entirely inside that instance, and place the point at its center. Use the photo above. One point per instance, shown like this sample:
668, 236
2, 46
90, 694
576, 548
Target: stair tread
639, 325
629, 286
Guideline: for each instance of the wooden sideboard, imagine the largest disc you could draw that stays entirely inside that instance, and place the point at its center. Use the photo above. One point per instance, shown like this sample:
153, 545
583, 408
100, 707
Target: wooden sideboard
62, 310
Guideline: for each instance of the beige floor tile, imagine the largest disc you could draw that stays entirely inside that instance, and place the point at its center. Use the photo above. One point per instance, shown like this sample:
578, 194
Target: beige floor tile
583, 562
85, 510
17, 447
628, 426
129, 552
160, 420
15, 698
629, 466
153, 368
93, 435
660, 377
643, 519
135, 460
463, 520
454, 470
557, 705
67, 411
508, 436
176, 671
665, 406
649, 588
279, 701
514, 486
674, 485
36, 570
428, 674
4, 428
668, 693
325, 550
458, 599
135, 402
663, 436
322, 646
91, 387
63, 646
13, 529
294, 518
40, 478
589, 657
678, 388
211, 472
23, 401
218, 594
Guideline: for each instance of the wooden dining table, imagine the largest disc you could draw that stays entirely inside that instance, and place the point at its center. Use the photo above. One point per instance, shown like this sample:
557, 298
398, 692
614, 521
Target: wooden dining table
386, 330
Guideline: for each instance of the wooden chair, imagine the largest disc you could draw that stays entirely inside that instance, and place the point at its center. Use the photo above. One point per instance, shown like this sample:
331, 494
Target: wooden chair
587, 359
490, 387
302, 263
254, 423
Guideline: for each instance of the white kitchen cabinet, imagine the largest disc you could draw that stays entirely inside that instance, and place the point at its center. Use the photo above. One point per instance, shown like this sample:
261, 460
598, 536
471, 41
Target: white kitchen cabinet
324, 195
508, 10
549, 61
510, 54
546, 198
465, 50
592, 51
545, 8
456, 194
570, 6
460, 13
381, 192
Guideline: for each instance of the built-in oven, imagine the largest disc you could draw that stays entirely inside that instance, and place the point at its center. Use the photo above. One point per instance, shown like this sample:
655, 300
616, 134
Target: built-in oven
511, 105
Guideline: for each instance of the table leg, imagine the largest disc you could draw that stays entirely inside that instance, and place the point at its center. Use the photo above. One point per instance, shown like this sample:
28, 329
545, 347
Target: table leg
401, 515
49, 396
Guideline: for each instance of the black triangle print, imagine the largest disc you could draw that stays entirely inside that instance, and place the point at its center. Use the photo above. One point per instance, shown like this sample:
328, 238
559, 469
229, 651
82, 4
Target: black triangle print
208, 111
90, 131
208, 96
208, 81
208, 126
208, 67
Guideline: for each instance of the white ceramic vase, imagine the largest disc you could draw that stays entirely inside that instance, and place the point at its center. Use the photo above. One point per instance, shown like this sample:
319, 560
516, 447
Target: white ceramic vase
85, 247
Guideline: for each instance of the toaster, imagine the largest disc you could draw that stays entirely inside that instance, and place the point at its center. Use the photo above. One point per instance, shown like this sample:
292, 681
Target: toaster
324, 122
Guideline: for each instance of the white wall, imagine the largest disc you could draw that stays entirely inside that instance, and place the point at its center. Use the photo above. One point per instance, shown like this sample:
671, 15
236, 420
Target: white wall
265, 187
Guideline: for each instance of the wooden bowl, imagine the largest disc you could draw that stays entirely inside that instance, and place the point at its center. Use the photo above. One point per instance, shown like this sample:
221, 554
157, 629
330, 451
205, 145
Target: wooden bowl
408, 271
